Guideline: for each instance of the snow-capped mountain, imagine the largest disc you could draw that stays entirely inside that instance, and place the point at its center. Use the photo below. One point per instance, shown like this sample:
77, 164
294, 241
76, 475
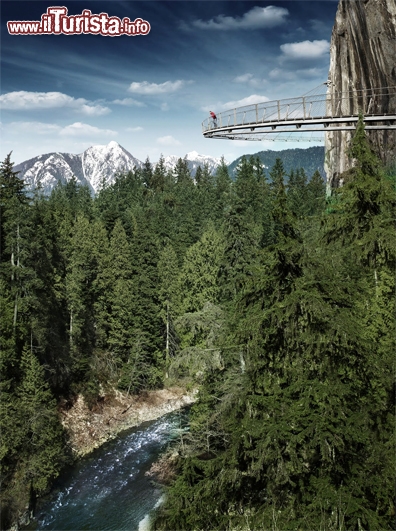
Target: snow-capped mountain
101, 163
50, 169
96, 167
194, 160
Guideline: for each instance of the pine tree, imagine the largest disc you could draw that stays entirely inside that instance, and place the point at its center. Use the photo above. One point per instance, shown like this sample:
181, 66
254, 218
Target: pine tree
147, 174
304, 442
240, 251
197, 282
82, 270
43, 445
159, 175
246, 188
168, 268
33, 446
297, 193
14, 216
316, 194
182, 172
222, 190
277, 174
46, 320
117, 312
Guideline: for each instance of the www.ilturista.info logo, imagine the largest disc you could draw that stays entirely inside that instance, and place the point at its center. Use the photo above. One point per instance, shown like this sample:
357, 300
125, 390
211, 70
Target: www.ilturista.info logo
56, 21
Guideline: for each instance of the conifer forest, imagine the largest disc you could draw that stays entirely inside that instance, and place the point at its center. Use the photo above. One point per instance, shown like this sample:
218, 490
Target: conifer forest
275, 301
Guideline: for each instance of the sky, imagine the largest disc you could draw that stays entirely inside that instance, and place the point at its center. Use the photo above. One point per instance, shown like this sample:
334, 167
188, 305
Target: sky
150, 93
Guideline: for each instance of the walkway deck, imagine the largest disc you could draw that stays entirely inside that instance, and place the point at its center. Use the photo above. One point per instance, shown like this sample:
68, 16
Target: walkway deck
306, 114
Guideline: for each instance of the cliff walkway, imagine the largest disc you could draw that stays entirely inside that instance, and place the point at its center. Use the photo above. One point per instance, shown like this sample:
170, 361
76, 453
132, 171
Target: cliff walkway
315, 112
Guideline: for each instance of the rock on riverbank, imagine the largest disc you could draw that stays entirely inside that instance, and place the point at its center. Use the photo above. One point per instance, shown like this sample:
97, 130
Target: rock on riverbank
89, 429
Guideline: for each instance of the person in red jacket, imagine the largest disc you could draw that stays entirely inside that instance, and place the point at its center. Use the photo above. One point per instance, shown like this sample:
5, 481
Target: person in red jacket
214, 118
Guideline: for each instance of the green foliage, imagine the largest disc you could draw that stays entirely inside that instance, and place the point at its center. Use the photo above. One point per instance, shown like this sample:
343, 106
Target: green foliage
283, 313
200, 333
197, 281
311, 159
294, 430
33, 448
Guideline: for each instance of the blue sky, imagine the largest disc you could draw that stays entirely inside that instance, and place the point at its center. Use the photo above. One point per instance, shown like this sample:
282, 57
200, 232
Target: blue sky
151, 93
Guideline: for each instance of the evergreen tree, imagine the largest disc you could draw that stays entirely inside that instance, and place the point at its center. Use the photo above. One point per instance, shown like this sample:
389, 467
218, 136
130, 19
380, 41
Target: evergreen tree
241, 247
222, 190
47, 317
297, 193
14, 219
316, 194
147, 174
43, 445
182, 172
118, 298
186, 211
159, 175
197, 282
205, 195
246, 188
33, 447
167, 272
303, 442
277, 175
82, 269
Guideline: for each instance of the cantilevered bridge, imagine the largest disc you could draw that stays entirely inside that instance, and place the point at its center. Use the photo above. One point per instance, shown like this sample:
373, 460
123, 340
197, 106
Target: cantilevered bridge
305, 115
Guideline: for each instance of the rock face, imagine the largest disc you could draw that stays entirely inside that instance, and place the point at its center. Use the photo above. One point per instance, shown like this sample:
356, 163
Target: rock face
362, 58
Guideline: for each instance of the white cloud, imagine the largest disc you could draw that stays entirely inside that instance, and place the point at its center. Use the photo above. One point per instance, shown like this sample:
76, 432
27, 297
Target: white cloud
37, 128
93, 110
129, 102
249, 79
249, 100
134, 129
80, 129
303, 73
244, 78
76, 129
24, 101
164, 107
305, 49
256, 18
168, 141
145, 87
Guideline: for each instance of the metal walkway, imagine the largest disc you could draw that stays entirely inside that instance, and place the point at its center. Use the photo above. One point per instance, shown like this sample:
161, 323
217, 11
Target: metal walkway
331, 111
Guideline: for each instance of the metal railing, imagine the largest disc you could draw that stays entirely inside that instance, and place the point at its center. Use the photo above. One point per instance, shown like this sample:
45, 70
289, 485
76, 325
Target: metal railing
330, 111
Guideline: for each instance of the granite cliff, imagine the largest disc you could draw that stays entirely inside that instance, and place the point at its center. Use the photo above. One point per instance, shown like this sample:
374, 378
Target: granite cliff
362, 58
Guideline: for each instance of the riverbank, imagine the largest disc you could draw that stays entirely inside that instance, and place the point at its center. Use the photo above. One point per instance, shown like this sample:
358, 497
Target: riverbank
114, 413
110, 489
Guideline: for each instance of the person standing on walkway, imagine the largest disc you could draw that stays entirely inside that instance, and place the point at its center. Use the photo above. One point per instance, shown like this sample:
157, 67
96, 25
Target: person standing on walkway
214, 118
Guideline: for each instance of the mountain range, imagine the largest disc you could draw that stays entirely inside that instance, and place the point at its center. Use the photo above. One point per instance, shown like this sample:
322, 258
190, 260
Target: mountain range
98, 166
311, 159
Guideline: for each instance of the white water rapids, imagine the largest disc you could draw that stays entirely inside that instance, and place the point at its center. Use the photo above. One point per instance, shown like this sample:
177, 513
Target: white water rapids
108, 490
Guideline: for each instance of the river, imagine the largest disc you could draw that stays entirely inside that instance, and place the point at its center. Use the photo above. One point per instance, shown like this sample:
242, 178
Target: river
108, 490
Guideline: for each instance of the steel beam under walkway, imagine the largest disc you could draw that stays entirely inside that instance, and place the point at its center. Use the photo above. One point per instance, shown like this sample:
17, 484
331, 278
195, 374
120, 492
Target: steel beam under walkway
306, 114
